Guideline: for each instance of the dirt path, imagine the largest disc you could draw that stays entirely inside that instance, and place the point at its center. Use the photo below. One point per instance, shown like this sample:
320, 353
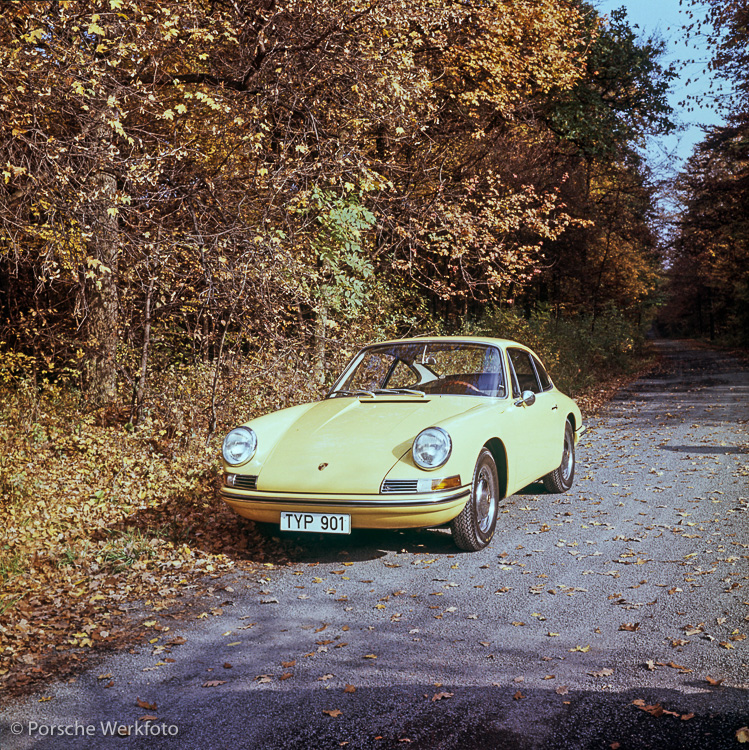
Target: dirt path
617, 613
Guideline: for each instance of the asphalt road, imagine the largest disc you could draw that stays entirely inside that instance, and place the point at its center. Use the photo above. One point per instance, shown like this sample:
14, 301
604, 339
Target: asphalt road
633, 587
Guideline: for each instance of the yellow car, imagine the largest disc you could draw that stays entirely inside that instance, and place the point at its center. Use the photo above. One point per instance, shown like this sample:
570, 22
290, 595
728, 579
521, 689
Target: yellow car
415, 433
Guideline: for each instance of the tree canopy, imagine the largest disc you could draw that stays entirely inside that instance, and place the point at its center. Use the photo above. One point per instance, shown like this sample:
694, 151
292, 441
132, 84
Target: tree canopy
708, 262
185, 178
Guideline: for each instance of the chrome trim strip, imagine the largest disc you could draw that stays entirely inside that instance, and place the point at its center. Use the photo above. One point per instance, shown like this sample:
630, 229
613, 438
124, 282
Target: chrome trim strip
376, 501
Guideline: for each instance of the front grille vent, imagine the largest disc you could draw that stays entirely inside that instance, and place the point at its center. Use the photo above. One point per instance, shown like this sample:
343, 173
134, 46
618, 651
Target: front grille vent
245, 481
400, 485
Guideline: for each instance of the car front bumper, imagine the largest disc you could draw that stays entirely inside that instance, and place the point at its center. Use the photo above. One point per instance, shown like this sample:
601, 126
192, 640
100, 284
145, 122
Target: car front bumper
381, 511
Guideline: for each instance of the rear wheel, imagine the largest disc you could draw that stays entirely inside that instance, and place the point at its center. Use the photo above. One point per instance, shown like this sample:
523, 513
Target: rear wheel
560, 480
474, 528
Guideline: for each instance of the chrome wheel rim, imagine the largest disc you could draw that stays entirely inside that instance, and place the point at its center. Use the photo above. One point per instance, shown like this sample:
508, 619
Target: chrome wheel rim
485, 501
568, 457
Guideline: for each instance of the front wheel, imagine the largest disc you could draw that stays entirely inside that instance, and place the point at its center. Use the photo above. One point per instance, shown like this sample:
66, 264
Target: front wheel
474, 527
560, 480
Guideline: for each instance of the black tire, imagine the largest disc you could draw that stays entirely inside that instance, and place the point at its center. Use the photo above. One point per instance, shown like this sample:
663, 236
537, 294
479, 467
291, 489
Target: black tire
474, 527
560, 480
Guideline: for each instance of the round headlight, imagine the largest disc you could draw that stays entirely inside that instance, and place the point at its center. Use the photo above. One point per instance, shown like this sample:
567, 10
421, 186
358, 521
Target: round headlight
432, 448
239, 445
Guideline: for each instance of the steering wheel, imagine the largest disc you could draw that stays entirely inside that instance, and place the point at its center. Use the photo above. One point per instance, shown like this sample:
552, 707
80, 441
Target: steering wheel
468, 385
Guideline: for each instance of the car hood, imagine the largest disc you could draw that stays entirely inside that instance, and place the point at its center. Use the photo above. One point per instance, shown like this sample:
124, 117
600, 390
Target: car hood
348, 445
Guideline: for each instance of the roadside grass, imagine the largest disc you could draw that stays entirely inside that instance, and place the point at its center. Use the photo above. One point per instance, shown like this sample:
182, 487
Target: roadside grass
98, 513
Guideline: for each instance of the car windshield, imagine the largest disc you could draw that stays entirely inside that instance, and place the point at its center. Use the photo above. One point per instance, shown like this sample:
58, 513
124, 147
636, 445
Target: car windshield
428, 367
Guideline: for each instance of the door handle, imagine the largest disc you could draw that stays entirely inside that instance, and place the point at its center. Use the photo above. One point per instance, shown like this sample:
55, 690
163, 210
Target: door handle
554, 408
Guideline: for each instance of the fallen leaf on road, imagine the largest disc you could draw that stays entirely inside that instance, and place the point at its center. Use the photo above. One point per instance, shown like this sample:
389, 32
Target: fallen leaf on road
370, 656
630, 626
334, 712
213, 683
582, 649
711, 681
674, 665
562, 690
440, 696
518, 696
655, 709
349, 689
145, 704
603, 673
742, 735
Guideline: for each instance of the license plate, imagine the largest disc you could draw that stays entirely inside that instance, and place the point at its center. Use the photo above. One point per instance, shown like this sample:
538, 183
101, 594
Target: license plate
325, 523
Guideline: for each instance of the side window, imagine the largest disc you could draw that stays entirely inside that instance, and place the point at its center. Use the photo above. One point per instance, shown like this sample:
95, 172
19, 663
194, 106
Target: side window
526, 374
542, 375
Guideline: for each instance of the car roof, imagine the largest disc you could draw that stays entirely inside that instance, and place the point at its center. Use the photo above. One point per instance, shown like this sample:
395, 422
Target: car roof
454, 339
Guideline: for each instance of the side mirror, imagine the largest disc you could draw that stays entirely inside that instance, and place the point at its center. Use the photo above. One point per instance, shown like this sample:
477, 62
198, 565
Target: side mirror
528, 399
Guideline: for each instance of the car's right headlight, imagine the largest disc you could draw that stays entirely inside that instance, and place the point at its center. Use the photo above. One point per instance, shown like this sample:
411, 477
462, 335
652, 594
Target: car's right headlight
239, 446
431, 448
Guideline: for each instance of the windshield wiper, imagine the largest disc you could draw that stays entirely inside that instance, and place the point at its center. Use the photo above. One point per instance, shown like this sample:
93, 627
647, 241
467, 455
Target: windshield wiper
376, 391
357, 392
411, 391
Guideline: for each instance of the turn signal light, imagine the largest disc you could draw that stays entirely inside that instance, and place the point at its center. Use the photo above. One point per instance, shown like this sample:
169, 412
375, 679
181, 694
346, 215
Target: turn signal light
447, 483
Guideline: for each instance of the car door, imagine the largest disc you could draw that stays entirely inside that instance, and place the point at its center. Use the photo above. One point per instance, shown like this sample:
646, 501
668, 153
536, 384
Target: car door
537, 435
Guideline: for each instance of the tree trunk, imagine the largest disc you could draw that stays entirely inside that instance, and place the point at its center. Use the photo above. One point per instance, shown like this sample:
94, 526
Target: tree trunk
321, 324
102, 324
137, 408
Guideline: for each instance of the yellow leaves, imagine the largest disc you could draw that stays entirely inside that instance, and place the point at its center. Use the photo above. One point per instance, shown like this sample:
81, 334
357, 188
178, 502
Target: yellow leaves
12, 171
95, 29
34, 36
116, 125
115, 4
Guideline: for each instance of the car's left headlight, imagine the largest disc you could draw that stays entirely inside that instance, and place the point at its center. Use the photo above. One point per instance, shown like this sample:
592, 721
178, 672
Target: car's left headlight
431, 448
239, 446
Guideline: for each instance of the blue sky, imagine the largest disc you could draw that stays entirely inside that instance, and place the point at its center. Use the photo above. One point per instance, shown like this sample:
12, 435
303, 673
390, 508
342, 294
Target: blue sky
665, 18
